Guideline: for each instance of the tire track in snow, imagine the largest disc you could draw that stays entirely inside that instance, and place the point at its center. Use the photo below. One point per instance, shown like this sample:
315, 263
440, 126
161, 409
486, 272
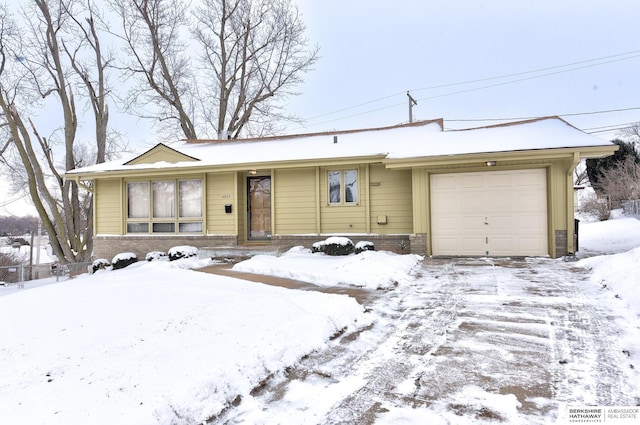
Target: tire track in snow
525, 330
429, 312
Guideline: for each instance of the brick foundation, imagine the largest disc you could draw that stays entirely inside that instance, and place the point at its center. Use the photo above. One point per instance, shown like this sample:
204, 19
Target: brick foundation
400, 244
419, 244
561, 243
108, 246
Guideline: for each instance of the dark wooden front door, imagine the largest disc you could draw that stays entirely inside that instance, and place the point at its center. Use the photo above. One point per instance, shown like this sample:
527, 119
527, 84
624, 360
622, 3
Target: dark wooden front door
259, 205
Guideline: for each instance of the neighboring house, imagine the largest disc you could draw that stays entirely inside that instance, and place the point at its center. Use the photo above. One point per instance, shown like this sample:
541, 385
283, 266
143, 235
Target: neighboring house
503, 190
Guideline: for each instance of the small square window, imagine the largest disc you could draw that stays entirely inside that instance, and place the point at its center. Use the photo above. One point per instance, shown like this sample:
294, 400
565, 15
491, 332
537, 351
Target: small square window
191, 227
137, 227
164, 227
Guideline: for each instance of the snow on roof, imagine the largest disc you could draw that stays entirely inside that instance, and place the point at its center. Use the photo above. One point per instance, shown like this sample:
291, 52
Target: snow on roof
418, 140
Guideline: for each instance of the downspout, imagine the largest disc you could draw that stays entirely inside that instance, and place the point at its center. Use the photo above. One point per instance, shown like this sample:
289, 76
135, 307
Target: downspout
570, 203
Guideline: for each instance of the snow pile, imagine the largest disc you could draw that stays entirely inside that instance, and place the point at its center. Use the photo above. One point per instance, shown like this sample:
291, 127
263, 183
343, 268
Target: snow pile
617, 271
613, 236
153, 343
619, 274
369, 269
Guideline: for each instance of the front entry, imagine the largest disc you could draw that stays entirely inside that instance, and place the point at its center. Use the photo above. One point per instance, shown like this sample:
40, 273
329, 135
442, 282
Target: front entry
259, 207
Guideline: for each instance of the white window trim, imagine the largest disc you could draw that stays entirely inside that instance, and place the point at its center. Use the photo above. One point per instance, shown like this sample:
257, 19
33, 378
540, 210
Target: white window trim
343, 201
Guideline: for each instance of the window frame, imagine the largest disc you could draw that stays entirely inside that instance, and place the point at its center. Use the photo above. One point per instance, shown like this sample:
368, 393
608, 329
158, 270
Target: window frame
342, 195
166, 224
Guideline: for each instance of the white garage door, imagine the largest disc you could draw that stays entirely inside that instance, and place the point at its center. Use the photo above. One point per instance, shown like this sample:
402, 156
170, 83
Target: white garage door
492, 213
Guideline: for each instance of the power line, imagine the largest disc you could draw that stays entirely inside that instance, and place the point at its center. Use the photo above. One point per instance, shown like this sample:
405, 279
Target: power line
600, 61
573, 114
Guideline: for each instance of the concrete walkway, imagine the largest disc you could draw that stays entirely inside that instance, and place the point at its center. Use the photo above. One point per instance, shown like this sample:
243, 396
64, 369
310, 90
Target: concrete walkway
360, 294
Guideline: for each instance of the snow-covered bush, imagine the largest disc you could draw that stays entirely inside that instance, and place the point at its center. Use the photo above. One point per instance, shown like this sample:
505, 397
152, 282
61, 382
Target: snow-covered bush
123, 259
155, 255
318, 246
185, 251
99, 264
364, 246
334, 245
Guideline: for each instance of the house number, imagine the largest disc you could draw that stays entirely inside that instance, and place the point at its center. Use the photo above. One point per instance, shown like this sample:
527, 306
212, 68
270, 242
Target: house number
226, 196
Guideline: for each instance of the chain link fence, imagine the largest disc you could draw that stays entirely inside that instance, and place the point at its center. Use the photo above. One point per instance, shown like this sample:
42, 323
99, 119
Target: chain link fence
631, 207
20, 273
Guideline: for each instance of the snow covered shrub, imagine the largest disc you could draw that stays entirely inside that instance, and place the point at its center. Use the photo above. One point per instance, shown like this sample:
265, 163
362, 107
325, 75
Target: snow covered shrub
318, 247
364, 246
338, 246
155, 255
185, 251
124, 259
99, 264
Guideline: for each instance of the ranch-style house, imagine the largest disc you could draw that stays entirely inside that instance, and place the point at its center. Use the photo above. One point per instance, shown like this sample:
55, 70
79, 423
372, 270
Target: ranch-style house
502, 190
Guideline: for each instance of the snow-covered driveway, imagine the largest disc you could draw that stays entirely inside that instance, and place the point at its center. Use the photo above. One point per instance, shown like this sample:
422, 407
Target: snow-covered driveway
468, 341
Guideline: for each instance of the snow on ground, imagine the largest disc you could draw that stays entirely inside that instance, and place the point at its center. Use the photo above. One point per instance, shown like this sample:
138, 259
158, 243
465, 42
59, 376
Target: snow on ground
369, 269
157, 343
153, 343
619, 234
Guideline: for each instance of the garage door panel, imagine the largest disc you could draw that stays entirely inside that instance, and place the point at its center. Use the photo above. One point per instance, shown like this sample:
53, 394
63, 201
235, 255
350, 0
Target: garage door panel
498, 213
531, 201
499, 180
471, 223
469, 182
448, 202
444, 182
531, 178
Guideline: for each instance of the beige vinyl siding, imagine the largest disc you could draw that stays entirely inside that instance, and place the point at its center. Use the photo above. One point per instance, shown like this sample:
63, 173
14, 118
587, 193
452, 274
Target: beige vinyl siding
220, 192
390, 196
108, 206
295, 201
343, 219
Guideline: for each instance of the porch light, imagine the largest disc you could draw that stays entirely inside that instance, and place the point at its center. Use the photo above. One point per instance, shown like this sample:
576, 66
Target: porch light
253, 172
491, 163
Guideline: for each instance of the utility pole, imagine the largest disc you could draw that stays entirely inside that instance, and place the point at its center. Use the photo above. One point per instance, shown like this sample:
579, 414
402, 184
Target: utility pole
412, 103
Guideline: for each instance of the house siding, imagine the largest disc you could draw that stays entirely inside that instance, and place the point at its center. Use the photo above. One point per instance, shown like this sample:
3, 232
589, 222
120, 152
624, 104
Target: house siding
390, 194
220, 191
108, 206
295, 201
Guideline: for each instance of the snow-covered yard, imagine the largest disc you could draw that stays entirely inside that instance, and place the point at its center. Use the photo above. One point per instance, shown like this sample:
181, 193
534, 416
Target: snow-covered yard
158, 343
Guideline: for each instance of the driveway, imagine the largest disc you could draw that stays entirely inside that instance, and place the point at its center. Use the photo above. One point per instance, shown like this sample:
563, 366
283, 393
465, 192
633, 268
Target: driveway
469, 341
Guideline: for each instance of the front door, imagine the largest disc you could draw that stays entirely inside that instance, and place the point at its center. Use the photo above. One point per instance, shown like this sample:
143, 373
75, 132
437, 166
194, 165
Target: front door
259, 207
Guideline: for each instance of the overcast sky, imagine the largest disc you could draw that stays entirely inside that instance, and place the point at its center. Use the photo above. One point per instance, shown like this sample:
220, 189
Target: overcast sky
462, 60
554, 57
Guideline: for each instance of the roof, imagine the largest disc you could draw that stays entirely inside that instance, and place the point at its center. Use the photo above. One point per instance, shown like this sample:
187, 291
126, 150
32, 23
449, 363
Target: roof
418, 140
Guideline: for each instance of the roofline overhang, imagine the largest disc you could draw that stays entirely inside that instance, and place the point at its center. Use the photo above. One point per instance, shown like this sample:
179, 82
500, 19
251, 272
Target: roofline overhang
192, 168
524, 155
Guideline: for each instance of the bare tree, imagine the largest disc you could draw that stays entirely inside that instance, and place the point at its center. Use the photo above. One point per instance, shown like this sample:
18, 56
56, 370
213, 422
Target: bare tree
49, 74
252, 53
621, 183
580, 175
631, 134
158, 65
255, 52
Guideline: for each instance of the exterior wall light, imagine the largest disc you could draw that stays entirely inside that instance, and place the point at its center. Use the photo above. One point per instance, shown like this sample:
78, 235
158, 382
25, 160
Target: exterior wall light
491, 163
253, 172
